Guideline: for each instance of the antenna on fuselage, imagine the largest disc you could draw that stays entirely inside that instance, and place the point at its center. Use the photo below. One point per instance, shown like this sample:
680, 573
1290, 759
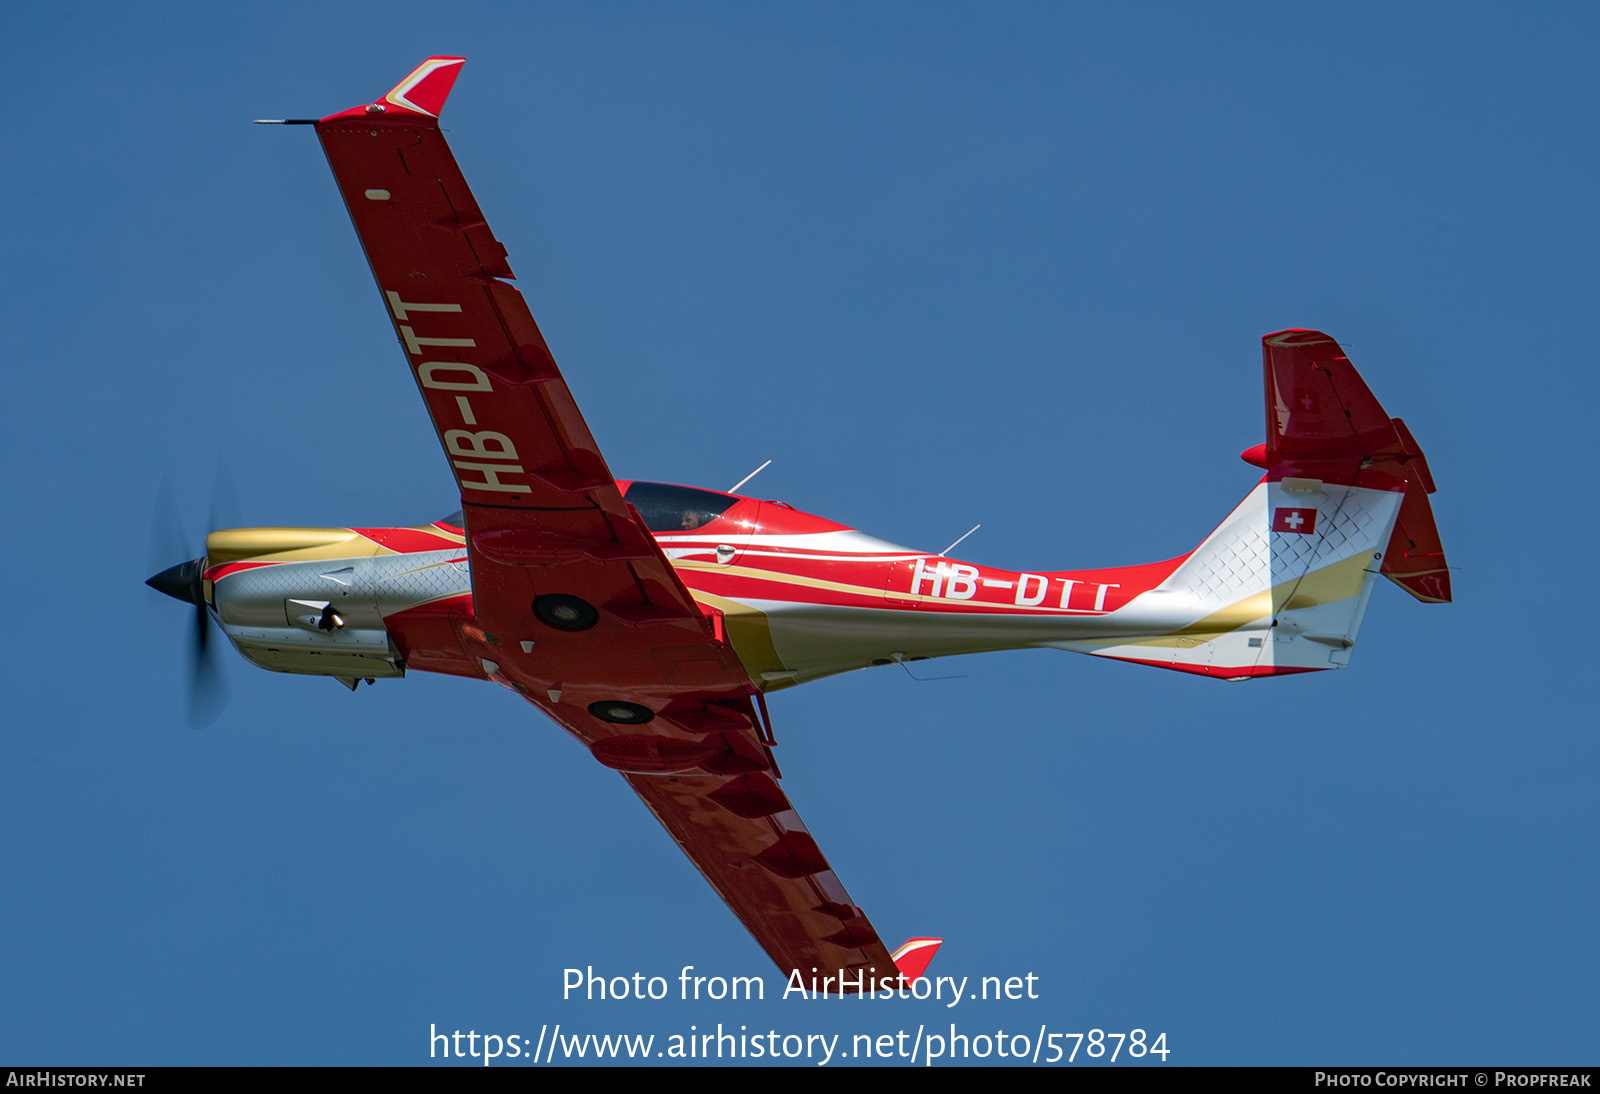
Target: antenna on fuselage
735, 487
901, 659
944, 553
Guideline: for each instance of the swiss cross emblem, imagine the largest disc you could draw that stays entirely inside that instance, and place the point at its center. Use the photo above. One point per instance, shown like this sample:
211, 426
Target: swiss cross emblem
1303, 521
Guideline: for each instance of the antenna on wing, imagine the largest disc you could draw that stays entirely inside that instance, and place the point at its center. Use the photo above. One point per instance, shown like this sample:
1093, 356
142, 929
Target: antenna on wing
735, 487
957, 543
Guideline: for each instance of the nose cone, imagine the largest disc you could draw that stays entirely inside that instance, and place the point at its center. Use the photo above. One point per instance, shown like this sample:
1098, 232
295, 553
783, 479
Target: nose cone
181, 582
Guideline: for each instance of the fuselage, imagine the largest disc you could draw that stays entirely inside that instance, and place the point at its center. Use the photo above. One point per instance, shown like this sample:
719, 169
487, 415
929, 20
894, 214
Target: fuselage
796, 597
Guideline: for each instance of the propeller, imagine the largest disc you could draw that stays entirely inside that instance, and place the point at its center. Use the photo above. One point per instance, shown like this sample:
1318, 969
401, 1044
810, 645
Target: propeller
207, 686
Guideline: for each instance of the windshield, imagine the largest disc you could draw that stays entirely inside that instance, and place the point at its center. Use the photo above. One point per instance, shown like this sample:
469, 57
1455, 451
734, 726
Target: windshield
677, 508
664, 508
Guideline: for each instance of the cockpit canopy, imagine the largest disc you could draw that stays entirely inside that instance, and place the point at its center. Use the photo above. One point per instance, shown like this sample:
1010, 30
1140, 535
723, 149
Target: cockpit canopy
667, 508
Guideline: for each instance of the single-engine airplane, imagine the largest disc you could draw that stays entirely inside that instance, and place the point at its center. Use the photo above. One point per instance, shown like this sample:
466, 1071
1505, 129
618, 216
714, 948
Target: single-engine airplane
650, 621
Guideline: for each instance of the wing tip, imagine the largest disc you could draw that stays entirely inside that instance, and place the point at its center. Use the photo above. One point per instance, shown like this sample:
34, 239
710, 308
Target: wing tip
421, 94
913, 955
1297, 336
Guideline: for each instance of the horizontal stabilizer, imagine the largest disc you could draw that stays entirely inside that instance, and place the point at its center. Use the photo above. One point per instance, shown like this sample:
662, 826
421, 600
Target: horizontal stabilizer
1324, 423
1318, 407
1415, 558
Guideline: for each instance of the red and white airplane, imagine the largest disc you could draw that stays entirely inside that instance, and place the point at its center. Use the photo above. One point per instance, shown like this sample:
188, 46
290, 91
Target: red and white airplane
650, 621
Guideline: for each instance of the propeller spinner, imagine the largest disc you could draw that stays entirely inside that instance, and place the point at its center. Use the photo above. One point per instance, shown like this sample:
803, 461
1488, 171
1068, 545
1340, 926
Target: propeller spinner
208, 690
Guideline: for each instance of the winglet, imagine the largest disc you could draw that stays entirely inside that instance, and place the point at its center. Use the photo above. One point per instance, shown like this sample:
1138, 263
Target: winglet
913, 956
420, 95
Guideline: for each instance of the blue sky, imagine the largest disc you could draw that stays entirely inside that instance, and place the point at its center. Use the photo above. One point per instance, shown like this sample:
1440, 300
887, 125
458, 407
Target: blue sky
943, 266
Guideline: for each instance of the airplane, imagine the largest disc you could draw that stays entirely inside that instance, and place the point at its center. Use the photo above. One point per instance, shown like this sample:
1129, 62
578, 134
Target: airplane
651, 620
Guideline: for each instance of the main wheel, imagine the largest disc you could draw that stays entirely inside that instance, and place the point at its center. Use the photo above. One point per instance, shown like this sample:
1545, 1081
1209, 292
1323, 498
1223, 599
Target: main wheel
621, 712
565, 613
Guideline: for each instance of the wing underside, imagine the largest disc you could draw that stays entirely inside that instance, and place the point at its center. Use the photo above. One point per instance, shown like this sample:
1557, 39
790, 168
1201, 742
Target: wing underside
574, 604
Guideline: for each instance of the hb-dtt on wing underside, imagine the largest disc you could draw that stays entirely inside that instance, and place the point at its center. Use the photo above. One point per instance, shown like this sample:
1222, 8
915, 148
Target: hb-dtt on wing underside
573, 604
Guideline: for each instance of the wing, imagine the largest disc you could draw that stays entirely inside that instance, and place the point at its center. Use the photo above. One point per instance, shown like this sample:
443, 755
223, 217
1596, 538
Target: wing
574, 605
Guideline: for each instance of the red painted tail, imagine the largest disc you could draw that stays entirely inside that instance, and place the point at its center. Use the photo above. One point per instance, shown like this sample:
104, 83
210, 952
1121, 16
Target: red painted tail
1324, 423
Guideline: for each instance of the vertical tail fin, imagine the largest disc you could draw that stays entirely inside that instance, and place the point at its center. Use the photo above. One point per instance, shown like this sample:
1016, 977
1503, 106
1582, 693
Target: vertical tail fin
1282, 585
